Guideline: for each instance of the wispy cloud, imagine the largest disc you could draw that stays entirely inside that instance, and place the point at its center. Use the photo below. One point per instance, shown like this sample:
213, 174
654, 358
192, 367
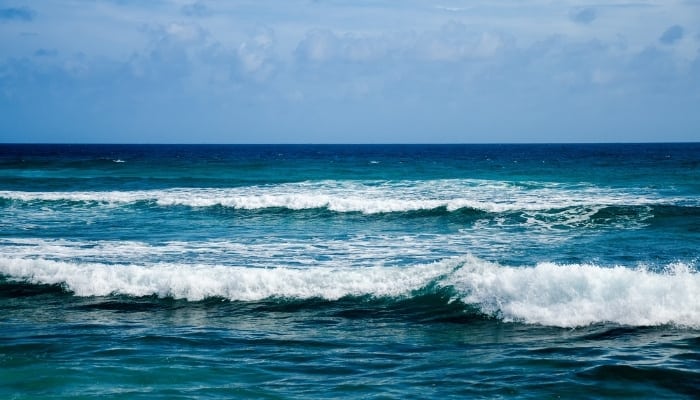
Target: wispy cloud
197, 9
46, 53
584, 15
672, 35
24, 14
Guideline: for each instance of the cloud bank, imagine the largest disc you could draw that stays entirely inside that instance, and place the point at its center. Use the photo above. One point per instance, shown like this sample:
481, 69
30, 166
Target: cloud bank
343, 72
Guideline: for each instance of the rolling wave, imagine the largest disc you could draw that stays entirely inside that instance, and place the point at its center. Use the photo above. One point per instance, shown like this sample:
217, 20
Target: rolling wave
547, 293
370, 197
543, 206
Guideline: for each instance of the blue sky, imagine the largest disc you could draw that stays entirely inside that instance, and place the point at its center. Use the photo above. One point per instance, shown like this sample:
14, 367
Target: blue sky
364, 71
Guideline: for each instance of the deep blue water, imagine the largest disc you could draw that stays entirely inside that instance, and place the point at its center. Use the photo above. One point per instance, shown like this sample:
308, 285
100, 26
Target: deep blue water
350, 271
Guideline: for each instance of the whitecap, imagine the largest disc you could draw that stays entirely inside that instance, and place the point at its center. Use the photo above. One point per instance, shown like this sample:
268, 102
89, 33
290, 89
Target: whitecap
547, 294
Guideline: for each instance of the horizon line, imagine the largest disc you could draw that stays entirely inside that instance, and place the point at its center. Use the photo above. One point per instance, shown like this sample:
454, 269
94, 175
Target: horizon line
342, 143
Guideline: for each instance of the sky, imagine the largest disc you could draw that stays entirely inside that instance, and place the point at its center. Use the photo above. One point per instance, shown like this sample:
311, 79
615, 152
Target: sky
342, 71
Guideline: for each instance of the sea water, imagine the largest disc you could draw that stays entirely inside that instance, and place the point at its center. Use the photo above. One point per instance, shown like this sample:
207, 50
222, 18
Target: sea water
349, 271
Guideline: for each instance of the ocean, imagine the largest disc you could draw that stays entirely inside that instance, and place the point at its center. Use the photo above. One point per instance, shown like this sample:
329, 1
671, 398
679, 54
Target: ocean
350, 271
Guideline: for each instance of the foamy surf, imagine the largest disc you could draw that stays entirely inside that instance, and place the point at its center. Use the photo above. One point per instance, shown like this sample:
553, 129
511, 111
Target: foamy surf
197, 282
577, 295
546, 294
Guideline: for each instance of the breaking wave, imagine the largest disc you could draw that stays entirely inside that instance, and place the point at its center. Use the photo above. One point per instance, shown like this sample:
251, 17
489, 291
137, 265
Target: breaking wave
547, 293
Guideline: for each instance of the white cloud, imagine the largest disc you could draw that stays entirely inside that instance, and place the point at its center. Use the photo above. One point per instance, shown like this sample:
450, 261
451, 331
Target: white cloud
188, 33
256, 55
318, 46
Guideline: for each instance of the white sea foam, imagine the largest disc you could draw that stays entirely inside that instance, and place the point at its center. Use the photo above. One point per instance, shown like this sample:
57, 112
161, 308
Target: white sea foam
375, 197
548, 294
361, 250
196, 282
576, 295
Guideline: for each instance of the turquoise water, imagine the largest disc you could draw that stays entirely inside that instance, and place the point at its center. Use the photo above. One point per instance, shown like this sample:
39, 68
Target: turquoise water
384, 271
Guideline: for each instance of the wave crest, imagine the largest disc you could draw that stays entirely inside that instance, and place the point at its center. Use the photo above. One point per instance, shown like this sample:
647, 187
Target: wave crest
547, 294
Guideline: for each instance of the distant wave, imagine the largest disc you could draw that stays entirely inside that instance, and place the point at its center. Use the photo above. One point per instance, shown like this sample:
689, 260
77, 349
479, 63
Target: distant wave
374, 197
547, 294
536, 205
